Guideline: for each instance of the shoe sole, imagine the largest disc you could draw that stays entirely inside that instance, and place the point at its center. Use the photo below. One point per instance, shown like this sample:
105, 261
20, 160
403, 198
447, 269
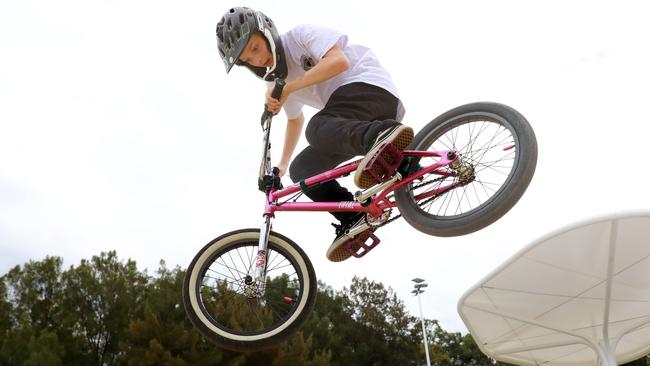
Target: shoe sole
339, 254
336, 252
401, 138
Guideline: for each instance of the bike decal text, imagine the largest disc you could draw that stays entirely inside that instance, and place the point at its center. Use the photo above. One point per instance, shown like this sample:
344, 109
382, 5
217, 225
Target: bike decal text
261, 259
346, 204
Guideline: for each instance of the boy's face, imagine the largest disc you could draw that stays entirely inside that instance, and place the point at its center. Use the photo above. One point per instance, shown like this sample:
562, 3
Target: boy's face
256, 52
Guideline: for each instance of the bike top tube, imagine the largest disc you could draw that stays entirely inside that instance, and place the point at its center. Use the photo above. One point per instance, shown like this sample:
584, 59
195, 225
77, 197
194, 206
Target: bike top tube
374, 207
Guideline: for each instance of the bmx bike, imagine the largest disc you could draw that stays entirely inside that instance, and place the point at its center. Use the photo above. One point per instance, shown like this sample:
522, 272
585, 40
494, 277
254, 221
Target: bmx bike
250, 289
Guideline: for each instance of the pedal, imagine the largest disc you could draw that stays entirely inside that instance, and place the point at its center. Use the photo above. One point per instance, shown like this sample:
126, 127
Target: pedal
386, 169
357, 246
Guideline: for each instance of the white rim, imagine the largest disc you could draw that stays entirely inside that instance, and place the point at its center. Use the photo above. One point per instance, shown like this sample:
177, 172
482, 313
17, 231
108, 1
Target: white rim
194, 301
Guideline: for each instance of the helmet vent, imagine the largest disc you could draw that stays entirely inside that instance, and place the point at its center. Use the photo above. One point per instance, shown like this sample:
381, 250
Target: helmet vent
220, 31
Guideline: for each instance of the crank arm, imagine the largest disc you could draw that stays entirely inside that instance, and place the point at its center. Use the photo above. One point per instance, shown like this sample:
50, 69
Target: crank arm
363, 196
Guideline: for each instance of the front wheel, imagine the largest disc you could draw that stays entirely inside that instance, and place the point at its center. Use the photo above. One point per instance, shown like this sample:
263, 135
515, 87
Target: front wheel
497, 153
231, 310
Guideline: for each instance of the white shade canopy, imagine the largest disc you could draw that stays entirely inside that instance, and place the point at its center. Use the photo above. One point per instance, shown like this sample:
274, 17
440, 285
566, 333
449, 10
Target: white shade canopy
578, 296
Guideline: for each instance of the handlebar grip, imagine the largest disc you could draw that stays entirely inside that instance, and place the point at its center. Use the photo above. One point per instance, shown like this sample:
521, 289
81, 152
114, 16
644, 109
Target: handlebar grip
276, 93
277, 89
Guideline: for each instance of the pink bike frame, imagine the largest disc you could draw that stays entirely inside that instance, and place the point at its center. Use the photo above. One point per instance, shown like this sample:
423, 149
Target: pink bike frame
374, 201
377, 205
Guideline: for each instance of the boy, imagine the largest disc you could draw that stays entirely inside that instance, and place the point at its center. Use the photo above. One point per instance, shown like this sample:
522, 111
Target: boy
359, 108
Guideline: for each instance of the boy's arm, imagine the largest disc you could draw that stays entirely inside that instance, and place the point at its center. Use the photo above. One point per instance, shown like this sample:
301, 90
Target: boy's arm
331, 64
291, 137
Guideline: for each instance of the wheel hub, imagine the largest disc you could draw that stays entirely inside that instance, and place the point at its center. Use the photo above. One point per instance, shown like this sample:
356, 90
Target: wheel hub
464, 170
251, 288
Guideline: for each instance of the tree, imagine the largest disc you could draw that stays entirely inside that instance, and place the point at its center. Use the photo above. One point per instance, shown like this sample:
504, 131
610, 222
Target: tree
44, 350
35, 291
105, 312
162, 334
14, 349
102, 295
363, 325
461, 349
6, 309
32, 294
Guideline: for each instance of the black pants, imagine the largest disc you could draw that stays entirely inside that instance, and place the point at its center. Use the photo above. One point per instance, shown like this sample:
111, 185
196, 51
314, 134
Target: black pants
347, 127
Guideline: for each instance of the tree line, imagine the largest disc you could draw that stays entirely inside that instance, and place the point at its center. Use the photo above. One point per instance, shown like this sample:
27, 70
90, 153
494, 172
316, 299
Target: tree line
106, 312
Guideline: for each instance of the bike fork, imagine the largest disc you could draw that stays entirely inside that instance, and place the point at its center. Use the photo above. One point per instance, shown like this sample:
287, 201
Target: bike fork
259, 272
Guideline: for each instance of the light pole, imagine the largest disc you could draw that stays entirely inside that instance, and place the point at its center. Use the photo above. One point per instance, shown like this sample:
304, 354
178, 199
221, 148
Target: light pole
419, 284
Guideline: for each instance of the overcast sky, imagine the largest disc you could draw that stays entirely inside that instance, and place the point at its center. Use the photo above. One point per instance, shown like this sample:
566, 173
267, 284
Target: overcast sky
119, 129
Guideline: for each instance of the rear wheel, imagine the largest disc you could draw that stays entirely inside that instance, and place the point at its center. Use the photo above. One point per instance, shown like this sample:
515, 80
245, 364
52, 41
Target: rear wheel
229, 310
498, 153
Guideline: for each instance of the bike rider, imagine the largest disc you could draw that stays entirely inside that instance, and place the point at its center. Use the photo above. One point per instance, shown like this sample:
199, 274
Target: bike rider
358, 102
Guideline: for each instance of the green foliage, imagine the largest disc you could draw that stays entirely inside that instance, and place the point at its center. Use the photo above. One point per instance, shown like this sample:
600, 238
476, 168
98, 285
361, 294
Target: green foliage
35, 293
32, 294
461, 350
373, 327
102, 296
6, 309
105, 312
161, 334
44, 350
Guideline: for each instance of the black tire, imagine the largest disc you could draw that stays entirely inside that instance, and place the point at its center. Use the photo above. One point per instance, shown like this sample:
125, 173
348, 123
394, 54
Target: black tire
512, 144
214, 298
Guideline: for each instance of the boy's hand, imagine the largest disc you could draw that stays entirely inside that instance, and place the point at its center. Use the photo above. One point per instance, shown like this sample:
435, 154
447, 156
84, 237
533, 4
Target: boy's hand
283, 168
273, 105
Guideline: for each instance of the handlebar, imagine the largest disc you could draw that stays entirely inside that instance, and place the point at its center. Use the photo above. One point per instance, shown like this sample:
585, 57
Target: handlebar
276, 93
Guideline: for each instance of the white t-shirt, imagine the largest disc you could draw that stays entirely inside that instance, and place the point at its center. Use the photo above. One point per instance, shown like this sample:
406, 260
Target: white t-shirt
305, 45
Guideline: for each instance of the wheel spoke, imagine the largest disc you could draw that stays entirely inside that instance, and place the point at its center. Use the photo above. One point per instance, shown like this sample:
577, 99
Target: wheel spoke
240, 308
243, 262
484, 145
226, 278
278, 266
